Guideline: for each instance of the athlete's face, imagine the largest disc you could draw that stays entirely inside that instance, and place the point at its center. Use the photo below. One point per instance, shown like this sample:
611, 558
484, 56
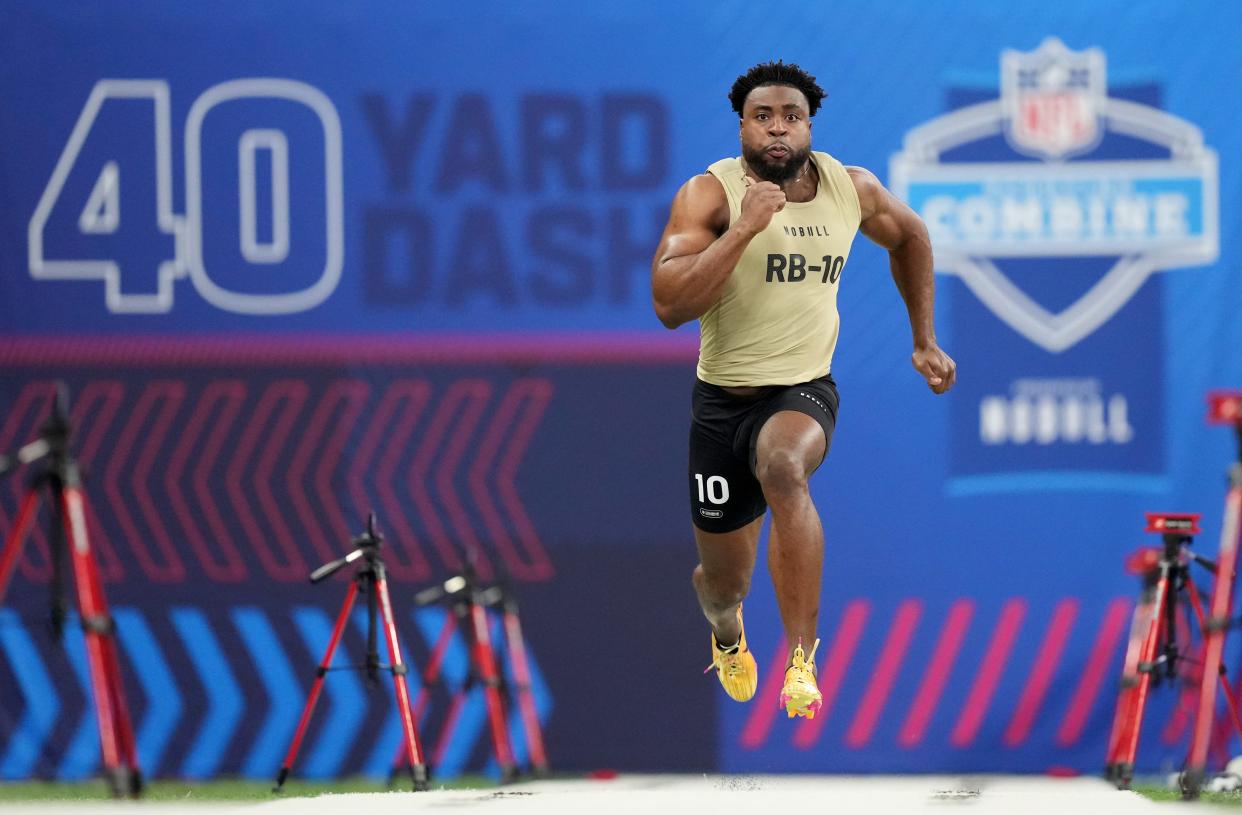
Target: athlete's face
776, 132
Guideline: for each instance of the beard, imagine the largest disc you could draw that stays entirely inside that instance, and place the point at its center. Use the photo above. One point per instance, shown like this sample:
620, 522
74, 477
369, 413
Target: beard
778, 172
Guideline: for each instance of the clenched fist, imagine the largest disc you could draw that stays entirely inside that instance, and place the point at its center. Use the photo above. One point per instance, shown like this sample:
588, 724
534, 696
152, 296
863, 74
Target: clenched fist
763, 199
937, 367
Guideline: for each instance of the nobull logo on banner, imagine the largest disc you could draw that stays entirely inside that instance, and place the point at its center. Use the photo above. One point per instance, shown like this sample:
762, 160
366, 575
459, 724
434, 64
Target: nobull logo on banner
1054, 203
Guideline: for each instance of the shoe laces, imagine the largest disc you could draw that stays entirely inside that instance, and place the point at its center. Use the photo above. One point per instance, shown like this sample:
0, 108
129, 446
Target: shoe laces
724, 661
802, 662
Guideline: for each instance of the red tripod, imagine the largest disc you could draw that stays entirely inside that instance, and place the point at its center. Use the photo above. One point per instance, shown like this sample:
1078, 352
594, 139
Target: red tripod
515, 645
468, 615
62, 482
1154, 652
370, 579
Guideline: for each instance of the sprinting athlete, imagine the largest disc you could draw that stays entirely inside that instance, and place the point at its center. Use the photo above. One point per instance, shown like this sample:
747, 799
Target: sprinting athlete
755, 249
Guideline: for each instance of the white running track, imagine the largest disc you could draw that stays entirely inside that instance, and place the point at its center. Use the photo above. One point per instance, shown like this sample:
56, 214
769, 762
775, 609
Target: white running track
694, 795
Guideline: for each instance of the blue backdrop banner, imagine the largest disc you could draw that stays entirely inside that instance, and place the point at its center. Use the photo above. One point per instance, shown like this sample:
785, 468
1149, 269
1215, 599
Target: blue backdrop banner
299, 260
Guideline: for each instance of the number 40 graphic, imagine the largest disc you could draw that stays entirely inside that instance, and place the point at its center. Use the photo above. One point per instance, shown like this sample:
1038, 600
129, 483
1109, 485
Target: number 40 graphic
59, 231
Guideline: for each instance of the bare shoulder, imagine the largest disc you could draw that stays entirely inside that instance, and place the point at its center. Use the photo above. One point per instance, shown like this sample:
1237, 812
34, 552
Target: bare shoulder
704, 188
702, 200
870, 190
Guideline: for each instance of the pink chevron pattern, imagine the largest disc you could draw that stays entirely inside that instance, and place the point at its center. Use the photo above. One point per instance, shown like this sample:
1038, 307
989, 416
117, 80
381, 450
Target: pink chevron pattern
928, 695
1099, 667
20, 427
141, 440
885, 674
999, 657
239, 478
393, 425
990, 670
321, 517
220, 403
1047, 659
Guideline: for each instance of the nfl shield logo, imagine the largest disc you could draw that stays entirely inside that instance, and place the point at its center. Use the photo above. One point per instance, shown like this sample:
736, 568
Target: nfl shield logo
1052, 98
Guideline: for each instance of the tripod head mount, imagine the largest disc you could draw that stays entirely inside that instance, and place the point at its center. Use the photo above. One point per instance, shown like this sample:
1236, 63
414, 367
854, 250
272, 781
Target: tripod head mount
1177, 528
1181, 524
53, 440
366, 546
465, 586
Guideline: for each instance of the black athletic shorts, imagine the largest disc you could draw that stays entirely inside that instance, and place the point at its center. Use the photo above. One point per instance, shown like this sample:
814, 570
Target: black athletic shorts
724, 493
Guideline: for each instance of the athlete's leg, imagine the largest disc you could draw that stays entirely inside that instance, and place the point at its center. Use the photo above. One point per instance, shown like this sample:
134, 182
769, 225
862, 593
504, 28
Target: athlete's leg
722, 578
789, 447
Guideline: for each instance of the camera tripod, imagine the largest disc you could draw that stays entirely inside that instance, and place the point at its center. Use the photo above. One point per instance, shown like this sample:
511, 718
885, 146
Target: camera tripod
371, 580
60, 484
468, 604
1155, 654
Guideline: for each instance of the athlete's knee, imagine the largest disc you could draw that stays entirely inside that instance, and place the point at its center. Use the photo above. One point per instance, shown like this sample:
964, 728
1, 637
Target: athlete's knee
781, 473
722, 589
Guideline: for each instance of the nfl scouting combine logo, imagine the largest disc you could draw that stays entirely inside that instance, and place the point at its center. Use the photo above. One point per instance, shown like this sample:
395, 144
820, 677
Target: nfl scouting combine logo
1054, 203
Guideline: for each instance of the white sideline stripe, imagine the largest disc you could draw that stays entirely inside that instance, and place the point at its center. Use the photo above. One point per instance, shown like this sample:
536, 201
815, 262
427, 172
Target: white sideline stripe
659, 794
838, 795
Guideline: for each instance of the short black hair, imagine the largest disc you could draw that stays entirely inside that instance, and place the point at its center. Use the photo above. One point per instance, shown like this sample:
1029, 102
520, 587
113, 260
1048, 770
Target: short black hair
776, 73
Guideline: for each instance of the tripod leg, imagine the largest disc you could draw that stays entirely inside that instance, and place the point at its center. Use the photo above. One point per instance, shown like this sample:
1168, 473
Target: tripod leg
1146, 666
516, 646
431, 676
485, 661
1123, 718
1214, 644
75, 516
96, 627
313, 697
17, 538
414, 750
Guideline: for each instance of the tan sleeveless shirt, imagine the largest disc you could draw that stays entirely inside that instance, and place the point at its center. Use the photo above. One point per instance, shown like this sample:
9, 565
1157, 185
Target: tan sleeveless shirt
776, 322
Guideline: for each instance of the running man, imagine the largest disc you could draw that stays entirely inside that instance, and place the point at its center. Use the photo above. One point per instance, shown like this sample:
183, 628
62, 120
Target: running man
754, 250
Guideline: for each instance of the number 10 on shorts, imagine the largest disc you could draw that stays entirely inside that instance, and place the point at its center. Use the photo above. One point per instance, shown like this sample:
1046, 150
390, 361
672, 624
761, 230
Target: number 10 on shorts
715, 489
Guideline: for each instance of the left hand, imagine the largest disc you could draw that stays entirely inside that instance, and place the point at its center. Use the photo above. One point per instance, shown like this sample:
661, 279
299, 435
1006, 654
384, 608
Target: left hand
937, 367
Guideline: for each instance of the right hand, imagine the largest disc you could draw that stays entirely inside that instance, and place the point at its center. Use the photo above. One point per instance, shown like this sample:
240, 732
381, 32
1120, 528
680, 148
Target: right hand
763, 199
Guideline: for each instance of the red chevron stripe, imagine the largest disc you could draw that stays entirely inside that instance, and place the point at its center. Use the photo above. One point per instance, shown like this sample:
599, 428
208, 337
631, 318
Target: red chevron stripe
420, 470
21, 427
928, 695
294, 393
536, 565
981, 692
141, 439
174, 393
891, 656
352, 395
1045, 667
331, 541
763, 710
220, 402
835, 663
93, 410
535, 394
395, 436
478, 392
1093, 674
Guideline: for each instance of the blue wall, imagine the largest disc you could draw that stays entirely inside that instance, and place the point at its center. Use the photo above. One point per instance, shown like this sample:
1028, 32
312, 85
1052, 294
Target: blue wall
299, 260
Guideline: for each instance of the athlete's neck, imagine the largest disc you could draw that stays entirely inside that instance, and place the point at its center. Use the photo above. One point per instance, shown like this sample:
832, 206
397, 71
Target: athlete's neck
799, 189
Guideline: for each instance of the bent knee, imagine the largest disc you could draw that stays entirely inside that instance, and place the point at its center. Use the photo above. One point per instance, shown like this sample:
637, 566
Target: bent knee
725, 589
781, 473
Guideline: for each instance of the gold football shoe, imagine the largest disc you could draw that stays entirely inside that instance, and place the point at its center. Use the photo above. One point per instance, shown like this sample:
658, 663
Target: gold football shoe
800, 695
735, 666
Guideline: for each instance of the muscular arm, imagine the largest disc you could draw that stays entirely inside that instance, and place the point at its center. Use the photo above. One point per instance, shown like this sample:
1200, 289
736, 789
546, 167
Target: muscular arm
699, 249
887, 221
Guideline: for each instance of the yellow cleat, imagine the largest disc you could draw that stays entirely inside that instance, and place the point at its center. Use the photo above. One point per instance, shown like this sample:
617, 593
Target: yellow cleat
800, 696
735, 667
